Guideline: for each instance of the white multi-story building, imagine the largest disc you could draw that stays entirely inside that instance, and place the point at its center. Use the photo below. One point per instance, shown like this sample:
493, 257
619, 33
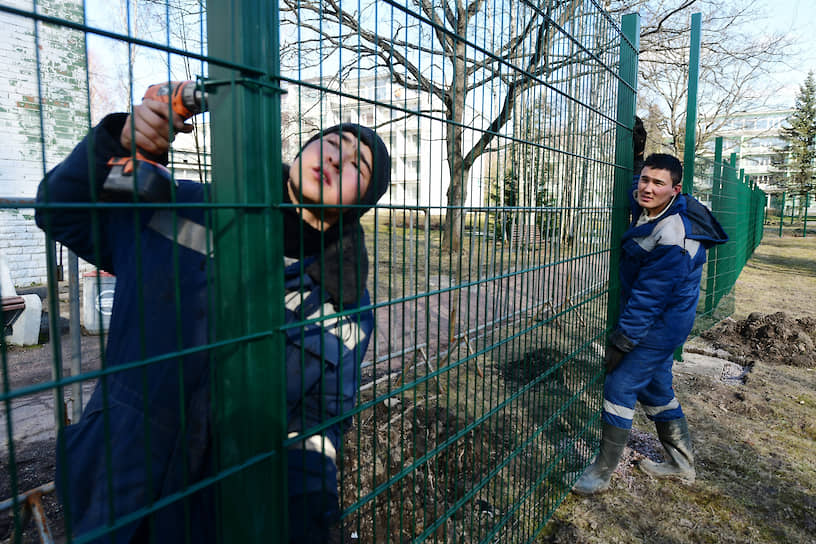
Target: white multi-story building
756, 138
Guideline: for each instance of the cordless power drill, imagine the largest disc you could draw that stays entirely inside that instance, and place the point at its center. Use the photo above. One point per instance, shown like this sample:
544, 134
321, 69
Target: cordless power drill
144, 175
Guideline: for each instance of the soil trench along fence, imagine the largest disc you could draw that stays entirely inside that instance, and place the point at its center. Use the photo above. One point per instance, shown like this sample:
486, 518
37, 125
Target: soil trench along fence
447, 387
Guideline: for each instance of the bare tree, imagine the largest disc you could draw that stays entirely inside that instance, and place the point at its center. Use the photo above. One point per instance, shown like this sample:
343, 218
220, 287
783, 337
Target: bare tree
101, 100
736, 61
451, 51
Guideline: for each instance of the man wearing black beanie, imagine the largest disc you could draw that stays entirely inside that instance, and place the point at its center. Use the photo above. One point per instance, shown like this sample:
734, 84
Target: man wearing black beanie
338, 175
323, 204
139, 442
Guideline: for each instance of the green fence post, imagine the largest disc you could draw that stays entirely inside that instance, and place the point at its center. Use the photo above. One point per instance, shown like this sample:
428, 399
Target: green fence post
759, 208
804, 214
762, 213
624, 155
691, 118
743, 221
782, 214
713, 255
250, 391
754, 214
691, 105
750, 215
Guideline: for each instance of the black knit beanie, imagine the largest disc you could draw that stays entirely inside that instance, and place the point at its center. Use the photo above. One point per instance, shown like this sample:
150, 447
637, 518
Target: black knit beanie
380, 167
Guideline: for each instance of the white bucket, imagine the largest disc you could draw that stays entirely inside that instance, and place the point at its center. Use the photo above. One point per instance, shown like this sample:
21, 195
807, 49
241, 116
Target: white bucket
97, 301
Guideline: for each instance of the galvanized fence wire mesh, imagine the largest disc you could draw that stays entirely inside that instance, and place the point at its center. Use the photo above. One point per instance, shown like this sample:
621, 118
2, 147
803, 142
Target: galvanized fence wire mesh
475, 404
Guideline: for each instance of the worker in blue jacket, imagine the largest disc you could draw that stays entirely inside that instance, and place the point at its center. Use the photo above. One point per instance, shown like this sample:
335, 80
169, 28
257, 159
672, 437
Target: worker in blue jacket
145, 433
662, 257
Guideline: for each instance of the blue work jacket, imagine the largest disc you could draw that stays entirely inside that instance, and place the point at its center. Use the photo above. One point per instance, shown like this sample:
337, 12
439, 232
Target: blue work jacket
660, 271
145, 433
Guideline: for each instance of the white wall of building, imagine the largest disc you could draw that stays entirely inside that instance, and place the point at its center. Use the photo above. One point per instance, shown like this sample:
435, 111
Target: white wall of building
43, 114
755, 137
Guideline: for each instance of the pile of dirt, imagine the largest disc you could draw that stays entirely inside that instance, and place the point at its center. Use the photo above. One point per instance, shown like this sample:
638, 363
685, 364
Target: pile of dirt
775, 339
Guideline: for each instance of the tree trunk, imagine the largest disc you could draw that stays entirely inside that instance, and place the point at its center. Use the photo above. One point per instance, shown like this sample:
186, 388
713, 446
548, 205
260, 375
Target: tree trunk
459, 172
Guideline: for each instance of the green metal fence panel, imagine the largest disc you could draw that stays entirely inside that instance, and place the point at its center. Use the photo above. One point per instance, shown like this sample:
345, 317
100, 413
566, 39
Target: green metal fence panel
69, 78
735, 201
491, 265
479, 399
789, 210
739, 205
484, 375
709, 293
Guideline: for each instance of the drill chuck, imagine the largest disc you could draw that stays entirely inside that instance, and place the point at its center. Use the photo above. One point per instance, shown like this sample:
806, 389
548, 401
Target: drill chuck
186, 97
193, 98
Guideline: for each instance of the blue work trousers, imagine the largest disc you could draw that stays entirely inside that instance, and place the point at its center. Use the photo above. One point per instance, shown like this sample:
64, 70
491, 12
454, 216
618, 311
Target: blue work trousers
644, 375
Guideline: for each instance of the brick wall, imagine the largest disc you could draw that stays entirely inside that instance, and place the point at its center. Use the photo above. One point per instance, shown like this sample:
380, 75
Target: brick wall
43, 114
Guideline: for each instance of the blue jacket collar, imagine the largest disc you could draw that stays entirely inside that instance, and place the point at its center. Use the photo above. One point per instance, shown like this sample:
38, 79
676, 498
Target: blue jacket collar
701, 223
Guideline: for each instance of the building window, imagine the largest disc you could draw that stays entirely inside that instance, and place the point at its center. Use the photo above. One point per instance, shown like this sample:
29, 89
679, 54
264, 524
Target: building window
412, 192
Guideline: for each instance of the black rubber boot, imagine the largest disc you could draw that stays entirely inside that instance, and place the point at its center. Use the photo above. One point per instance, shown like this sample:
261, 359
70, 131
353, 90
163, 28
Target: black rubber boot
597, 475
676, 440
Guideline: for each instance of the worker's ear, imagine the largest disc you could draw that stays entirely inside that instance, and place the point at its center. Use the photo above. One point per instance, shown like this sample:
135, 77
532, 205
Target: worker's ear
677, 188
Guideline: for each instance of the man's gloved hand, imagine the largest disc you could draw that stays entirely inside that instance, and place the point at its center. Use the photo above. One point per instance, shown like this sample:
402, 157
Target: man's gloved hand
613, 357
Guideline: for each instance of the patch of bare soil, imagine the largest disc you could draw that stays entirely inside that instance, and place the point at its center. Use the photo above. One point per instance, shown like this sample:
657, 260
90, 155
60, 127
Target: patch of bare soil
775, 339
35, 464
36, 459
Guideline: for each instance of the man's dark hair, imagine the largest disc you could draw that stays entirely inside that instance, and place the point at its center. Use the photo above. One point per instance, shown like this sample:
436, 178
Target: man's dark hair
664, 161
639, 137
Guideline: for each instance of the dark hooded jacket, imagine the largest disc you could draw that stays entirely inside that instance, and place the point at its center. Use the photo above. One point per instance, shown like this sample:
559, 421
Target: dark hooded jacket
660, 271
138, 441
